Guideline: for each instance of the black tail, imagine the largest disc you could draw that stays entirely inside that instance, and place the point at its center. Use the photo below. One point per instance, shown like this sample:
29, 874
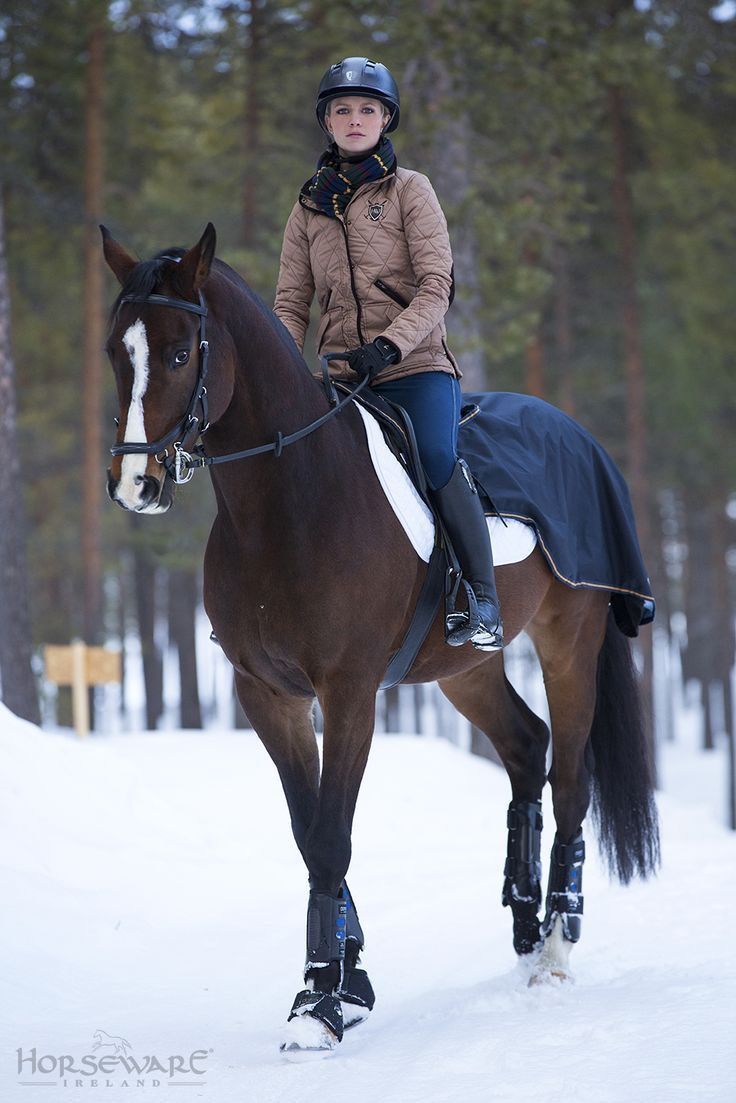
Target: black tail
623, 802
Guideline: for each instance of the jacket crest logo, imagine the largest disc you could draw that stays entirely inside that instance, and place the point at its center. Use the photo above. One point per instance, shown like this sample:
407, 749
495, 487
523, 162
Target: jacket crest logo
375, 210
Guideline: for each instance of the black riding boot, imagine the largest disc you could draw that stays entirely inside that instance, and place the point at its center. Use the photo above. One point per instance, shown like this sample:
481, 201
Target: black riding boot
461, 511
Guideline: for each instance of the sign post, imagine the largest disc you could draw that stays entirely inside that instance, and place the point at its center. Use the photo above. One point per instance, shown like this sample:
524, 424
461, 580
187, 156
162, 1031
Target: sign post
80, 666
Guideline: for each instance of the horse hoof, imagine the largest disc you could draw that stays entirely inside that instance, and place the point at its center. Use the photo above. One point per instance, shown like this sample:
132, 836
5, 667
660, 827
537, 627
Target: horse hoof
307, 1039
353, 1014
545, 975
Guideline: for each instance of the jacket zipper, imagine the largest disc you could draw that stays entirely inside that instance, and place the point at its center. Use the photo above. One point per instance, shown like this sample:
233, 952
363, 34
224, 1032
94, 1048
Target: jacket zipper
353, 288
397, 298
352, 282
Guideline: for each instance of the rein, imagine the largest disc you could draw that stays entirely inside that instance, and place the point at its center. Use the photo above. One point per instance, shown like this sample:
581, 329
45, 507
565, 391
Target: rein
181, 466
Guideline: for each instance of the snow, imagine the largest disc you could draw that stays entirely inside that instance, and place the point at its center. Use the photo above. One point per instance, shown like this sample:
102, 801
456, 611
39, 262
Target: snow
151, 890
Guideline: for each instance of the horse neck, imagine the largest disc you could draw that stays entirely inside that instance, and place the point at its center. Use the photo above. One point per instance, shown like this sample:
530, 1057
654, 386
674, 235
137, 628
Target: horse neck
273, 391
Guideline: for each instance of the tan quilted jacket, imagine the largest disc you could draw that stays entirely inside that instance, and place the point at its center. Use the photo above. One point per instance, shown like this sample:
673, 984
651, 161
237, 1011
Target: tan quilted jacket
383, 269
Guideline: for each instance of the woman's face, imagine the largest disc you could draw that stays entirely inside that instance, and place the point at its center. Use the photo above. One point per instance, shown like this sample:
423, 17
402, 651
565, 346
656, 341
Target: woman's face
355, 123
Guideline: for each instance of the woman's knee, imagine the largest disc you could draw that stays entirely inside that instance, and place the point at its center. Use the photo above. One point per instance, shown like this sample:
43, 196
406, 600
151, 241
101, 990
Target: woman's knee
439, 464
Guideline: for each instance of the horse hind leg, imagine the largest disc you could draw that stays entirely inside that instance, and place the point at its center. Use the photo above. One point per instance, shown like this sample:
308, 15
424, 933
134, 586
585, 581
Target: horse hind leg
567, 635
599, 749
489, 701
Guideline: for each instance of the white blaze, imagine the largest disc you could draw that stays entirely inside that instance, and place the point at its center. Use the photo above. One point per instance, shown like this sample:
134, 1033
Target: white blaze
136, 345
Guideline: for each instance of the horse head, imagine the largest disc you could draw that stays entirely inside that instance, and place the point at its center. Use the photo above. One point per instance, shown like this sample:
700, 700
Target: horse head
158, 350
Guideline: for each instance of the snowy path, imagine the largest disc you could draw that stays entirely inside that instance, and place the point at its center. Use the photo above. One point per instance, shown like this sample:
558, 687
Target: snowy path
151, 890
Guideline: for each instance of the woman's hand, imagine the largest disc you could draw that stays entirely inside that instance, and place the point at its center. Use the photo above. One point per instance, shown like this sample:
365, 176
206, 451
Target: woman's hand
370, 359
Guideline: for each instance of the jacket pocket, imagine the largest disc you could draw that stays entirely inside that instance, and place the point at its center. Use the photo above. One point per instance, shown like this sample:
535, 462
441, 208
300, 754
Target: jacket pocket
392, 294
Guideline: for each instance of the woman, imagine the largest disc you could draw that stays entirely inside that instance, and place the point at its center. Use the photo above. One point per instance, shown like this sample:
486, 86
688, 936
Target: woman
371, 239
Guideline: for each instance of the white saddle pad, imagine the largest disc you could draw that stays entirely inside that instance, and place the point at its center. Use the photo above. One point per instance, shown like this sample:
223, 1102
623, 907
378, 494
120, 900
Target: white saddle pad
511, 540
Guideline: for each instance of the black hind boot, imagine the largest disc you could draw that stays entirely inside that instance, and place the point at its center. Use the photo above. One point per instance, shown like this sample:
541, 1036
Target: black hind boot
462, 514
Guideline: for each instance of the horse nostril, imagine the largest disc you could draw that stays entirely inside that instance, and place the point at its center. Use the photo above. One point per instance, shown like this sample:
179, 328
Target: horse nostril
149, 489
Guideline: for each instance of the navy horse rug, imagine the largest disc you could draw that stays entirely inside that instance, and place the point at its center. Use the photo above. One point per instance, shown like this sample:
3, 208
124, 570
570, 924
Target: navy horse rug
539, 466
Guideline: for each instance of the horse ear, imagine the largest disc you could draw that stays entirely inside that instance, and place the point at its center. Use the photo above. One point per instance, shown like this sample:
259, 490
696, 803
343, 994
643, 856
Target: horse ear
195, 265
121, 263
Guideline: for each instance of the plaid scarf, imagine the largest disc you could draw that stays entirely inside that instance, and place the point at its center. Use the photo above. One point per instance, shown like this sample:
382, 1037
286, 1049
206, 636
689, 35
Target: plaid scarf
332, 187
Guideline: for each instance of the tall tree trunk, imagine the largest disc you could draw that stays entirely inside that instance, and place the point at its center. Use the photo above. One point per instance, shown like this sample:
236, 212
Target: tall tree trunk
725, 643
563, 331
699, 656
447, 161
418, 696
18, 684
633, 368
92, 471
391, 706
534, 367
252, 123
182, 609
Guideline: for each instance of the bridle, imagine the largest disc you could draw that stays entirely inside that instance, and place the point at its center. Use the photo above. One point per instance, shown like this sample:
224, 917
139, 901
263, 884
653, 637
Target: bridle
176, 467
181, 465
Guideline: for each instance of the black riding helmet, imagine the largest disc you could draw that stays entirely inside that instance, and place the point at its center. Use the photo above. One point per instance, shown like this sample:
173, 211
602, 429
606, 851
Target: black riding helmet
356, 75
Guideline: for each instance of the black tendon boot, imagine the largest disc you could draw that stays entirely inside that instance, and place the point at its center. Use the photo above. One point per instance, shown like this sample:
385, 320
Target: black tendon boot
355, 989
522, 886
338, 994
462, 514
324, 968
565, 891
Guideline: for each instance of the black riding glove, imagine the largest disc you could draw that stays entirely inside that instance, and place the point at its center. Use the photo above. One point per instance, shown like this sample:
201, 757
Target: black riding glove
370, 359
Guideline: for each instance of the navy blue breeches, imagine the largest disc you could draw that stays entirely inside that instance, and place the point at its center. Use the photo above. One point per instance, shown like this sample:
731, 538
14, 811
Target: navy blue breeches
432, 400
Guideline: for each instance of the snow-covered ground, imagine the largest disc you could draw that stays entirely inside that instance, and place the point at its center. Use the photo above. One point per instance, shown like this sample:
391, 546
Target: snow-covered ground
151, 891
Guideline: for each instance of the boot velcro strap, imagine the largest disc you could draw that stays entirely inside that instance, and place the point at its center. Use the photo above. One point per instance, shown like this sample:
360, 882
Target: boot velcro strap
568, 854
322, 1006
565, 903
356, 988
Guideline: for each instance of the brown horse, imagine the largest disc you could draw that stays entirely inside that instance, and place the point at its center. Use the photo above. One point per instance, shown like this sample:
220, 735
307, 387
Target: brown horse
310, 582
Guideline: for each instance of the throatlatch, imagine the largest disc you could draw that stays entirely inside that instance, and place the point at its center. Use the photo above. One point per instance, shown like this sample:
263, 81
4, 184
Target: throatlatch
564, 894
522, 886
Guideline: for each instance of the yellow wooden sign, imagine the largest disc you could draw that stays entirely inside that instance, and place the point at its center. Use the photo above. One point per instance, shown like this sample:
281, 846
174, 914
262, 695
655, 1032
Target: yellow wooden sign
80, 666
100, 665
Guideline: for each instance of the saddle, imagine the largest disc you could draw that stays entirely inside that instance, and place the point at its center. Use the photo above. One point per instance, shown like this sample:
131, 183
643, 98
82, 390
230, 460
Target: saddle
444, 575
398, 432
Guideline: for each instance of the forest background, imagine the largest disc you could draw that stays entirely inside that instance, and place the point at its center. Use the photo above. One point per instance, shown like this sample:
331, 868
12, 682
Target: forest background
585, 155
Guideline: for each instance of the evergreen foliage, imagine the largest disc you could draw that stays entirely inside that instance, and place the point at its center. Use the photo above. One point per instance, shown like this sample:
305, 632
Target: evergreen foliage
209, 116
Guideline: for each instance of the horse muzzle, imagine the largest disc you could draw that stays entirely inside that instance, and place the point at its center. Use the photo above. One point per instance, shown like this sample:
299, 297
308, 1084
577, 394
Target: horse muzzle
142, 494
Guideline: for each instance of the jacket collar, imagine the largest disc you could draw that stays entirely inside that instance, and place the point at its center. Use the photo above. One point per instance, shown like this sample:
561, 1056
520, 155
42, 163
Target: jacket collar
386, 181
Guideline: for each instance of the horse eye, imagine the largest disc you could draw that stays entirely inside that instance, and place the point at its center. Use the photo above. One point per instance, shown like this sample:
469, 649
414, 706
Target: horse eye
181, 357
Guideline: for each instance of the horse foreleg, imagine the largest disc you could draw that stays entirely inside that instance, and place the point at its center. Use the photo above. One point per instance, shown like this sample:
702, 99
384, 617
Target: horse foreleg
284, 726
337, 994
568, 638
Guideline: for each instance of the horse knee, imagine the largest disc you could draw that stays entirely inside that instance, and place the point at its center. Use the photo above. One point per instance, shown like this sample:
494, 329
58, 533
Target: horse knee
327, 853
